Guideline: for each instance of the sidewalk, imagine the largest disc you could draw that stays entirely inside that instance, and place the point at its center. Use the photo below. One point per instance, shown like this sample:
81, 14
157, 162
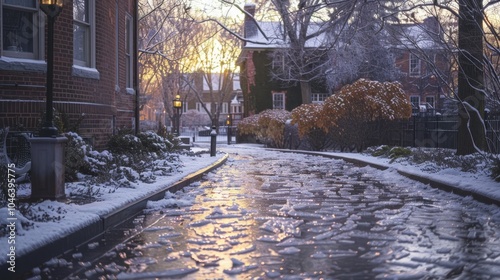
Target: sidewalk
479, 193
105, 221
114, 218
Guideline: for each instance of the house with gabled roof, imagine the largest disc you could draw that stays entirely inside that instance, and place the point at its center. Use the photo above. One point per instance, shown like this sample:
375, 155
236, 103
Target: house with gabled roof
416, 48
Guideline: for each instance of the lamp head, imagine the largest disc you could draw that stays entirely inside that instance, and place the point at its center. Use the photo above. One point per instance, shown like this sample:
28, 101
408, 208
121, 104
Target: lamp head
177, 101
51, 8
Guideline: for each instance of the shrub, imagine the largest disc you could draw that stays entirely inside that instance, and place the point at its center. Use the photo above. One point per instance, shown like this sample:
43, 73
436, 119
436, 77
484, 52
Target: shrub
379, 151
152, 142
249, 127
495, 169
398, 152
125, 143
267, 127
272, 127
349, 113
75, 157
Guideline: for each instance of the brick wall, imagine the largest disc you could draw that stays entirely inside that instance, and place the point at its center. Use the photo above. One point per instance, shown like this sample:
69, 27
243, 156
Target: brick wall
99, 98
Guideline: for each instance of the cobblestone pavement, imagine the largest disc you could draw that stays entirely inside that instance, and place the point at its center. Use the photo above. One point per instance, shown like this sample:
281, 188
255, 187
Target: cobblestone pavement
271, 215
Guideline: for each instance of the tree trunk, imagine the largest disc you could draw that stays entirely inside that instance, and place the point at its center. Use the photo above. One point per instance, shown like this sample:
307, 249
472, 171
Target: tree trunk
305, 91
471, 132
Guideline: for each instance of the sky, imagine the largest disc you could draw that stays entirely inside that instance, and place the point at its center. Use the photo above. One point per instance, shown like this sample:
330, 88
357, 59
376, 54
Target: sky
72, 217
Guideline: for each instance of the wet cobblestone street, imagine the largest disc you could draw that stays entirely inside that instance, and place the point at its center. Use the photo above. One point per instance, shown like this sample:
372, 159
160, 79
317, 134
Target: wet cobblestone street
271, 215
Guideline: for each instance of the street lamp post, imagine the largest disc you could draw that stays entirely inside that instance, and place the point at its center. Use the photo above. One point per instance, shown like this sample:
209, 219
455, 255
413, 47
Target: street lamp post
52, 8
228, 125
47, 151
177, 103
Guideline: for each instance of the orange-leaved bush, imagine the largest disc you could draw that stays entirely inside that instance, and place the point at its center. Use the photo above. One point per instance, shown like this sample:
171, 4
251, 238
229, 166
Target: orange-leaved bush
267, 126
306, 117
352, 111
272, 126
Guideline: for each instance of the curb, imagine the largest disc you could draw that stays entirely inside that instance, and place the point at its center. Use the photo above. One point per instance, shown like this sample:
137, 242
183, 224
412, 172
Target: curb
435, 184
116, 217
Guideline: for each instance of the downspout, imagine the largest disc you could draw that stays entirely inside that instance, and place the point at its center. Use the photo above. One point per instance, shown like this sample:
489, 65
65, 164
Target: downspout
136, 66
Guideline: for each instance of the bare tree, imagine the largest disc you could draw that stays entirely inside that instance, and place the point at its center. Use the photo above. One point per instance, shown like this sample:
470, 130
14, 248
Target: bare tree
168, 38
217, 69
477, 78
363, 48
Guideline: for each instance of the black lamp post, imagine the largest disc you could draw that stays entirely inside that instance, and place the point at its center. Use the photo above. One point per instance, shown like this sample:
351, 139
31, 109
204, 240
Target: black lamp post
229, 121
177, 102
51, 8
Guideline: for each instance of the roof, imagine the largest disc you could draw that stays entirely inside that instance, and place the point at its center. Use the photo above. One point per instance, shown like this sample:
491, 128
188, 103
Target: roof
271, 35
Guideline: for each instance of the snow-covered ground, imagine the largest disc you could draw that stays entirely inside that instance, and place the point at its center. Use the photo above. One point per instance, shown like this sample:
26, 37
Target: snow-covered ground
50, 220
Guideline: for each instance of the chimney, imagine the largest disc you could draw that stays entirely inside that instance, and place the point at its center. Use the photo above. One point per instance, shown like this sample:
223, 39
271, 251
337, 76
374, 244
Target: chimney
250, 27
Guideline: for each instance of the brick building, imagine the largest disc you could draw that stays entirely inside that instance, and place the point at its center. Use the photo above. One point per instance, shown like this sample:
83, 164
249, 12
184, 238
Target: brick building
95, 73
417, 48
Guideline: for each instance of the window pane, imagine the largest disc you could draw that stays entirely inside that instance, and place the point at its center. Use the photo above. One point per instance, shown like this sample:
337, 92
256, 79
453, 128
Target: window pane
80, 10
128, 29
24, 3
415, 100
17, 30
80, 42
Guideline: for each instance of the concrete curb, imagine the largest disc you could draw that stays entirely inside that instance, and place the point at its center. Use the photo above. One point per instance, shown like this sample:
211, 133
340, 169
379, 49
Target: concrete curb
105, 222
435, 184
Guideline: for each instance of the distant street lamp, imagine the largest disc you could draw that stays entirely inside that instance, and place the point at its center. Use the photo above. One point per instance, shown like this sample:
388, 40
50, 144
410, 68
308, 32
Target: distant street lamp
229, 121
51, 8
177, 102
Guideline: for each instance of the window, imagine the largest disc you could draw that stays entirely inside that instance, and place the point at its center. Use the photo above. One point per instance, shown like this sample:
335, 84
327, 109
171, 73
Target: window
414, 65
21, 29
318, 97
236, 109
83, 33
415, 104
117, 48
199, 108
129, 49
278, 61
415, 101
278, 100
225, 108
429, 100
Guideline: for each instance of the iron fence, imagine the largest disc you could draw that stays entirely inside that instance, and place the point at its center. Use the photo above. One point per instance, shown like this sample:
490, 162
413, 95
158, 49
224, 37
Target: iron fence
432, 132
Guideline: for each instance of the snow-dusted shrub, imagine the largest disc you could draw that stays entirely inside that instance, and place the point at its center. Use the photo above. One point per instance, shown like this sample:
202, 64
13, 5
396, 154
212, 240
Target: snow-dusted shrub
495, 169
350, 113
306, 117
75, 157
379, 150
153, 142
272, 127
399, 152
125, 143
248, 128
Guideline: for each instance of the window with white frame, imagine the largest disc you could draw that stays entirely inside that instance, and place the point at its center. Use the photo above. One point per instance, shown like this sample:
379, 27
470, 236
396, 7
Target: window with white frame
225, 108
318, 97
84, 33
199, 107
278, 100
21, 29
414, 65
129, 49
415, 101
430, 100
117, 48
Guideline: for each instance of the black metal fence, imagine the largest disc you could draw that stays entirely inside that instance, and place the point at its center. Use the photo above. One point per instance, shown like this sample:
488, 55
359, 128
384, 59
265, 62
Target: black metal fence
433, 132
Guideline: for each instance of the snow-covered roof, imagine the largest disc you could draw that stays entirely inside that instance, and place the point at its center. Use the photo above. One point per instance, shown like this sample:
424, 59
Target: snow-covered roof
217, 78
272, 35
417, 36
